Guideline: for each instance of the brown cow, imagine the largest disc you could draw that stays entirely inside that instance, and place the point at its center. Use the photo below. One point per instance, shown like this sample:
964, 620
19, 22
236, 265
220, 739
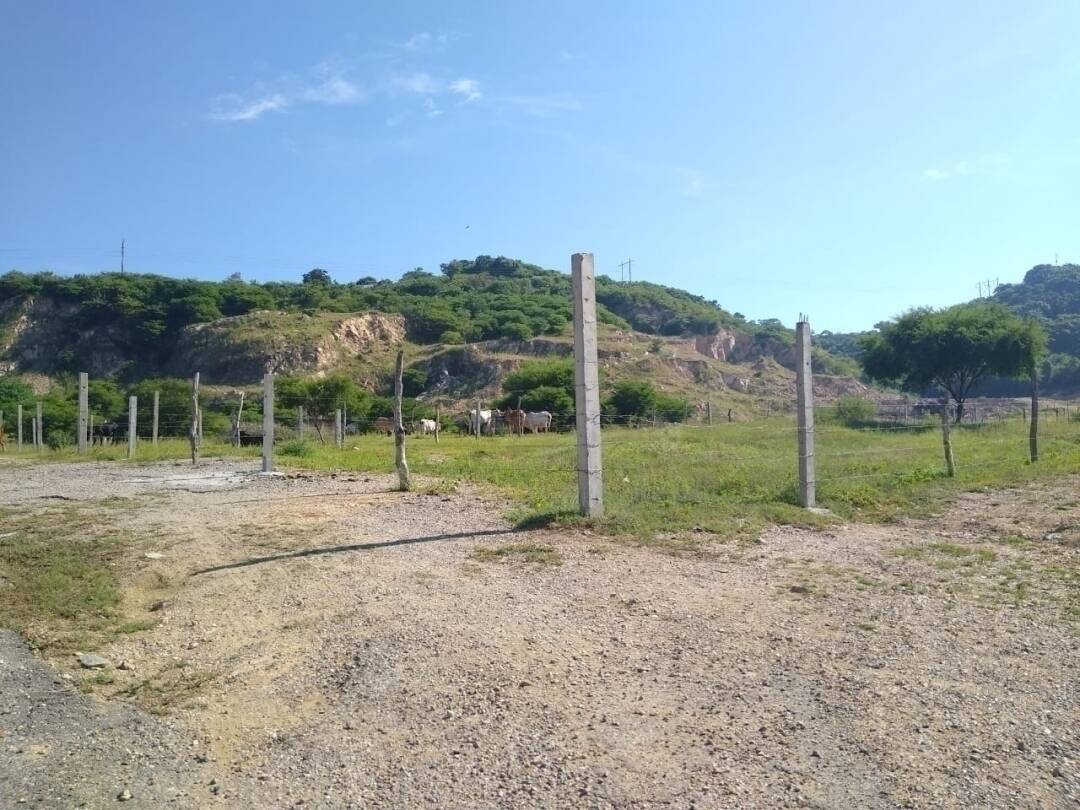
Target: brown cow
515, 420
384, 426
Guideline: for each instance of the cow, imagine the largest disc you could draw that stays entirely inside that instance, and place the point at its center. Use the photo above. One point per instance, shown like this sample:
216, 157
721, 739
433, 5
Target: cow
383, 425
250, 439
480, 421
538, 421
427, 426
515, 420
105, 433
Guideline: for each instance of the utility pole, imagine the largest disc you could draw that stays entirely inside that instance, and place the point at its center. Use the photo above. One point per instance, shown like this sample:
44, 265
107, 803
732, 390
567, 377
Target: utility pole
629, 265
122, 256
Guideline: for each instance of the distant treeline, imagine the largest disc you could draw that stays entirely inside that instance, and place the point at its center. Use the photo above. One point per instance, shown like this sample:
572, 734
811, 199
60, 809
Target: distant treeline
467, 301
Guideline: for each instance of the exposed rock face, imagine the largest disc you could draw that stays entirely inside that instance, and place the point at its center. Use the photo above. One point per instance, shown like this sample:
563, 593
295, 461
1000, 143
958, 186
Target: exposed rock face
41, 330
243, 348
718, 346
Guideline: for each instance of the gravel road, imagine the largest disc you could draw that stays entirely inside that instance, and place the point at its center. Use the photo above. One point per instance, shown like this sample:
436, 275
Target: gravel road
359, 651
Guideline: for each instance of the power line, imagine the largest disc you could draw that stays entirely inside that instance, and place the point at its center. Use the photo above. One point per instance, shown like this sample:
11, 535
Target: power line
629, 265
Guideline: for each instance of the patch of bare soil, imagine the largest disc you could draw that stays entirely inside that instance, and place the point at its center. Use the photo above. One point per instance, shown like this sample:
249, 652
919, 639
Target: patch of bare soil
334, 644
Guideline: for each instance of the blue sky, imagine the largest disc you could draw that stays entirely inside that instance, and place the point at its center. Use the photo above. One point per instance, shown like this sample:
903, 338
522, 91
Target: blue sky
847, 160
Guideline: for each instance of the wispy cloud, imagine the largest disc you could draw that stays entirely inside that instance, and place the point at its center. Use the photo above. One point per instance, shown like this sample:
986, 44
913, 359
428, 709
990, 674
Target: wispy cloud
468, 89
947, 170
542, 106
326, 84
424, 41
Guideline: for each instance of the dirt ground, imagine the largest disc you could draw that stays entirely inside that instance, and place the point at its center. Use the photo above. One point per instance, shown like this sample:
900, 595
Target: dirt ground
323, 642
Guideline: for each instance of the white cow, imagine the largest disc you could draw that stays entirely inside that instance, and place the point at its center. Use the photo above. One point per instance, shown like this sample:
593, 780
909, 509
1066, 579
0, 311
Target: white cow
427, 426
538, 421
479, 421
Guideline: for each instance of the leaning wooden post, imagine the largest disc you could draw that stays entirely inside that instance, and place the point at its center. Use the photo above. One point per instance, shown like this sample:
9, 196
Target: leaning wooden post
804, 392
438, 423
193, 432
399, 427
946, 439
236, 422
84, 409
39, 429
268, 424
157, 412
18, 426
587, 387
133, 405
1033, 428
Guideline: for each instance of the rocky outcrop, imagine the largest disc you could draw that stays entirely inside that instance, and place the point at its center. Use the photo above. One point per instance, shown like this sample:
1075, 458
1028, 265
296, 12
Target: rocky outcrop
718, 346
739, 347
243, 348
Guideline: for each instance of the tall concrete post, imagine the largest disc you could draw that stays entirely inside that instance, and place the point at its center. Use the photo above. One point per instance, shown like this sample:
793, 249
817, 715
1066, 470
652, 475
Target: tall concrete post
18, 426
157, 413
39, 429
268, 424
84, 411
587, 387
804, 390
133, 413
338, 438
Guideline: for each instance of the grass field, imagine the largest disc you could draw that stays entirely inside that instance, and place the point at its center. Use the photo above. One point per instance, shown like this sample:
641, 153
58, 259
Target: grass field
679, 485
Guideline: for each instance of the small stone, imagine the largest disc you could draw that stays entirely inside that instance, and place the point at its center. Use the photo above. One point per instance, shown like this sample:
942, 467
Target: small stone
159, 605
125, 665
1060, 774
124, 795
92, 661
153, 555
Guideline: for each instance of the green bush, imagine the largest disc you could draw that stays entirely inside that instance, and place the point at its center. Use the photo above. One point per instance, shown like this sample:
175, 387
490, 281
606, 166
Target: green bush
297, 448
854, 411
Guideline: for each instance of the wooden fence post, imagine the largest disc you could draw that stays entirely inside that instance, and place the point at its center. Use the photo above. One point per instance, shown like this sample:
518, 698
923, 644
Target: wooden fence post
477, 420
157, 412
300, 422
133, 405
1033, 428
586, 387
194, 435
84, 408
239, 416
399, 427
438, 423
268, 424
804, 391
946, 439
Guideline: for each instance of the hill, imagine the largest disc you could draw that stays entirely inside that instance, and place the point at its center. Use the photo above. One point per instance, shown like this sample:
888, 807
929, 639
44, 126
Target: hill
465, 331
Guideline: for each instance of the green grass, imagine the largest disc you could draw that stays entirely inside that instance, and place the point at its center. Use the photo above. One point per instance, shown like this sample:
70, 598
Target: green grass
58, 569
536, 553
681, 486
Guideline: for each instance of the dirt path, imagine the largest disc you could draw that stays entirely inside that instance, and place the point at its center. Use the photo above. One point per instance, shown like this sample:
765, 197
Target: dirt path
330, 643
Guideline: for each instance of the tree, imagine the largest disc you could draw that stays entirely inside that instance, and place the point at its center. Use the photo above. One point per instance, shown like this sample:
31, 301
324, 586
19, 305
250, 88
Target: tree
952, 349
317, 276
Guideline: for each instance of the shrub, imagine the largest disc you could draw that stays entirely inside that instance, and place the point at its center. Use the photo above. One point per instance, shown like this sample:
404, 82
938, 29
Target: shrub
297, 448
854, 411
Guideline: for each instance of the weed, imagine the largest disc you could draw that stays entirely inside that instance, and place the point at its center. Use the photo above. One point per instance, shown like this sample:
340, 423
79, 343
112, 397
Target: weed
536, 553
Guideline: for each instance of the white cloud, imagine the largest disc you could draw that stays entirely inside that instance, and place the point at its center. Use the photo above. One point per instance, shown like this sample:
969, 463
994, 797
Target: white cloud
334, 90
431, 109
420, 83
424, 41
945, 171
468, 89
231, 107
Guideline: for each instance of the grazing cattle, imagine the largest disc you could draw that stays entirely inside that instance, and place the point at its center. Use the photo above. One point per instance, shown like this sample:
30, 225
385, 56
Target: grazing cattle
105, 433
480, 421
427, 426
538, 421
250, 439
515, 420
383, 425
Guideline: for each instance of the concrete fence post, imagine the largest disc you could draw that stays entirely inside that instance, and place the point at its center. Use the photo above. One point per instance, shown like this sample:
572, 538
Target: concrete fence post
18, 426
268, 424
39, 428
193, 430
804, 395
84, 412
338, 439
1033, 428
587, 387
133, 414
157, 412
402, 466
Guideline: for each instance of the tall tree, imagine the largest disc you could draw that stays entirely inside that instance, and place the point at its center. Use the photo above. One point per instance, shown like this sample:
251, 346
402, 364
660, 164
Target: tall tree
952, 349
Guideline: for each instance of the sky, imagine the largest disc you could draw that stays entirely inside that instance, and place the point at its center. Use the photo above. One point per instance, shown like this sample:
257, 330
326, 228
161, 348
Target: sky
847, 160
